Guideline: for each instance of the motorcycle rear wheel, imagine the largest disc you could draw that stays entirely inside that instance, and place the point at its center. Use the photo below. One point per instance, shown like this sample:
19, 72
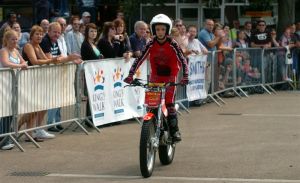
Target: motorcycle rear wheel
166, 153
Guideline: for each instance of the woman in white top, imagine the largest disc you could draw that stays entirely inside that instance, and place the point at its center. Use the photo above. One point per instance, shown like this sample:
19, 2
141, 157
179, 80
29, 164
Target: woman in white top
194, 45
9, 54
9, 57
241, 41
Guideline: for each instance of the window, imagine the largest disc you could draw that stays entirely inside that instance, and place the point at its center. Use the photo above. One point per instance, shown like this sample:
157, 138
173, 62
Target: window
188, 1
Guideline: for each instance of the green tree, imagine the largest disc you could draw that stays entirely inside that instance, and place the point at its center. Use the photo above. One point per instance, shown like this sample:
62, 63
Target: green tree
130, 7
286, 14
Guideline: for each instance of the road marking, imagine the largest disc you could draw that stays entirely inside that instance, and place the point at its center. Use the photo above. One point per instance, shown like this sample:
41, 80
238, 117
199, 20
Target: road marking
173, 178
227, 179
260, 115
93, 176
272, 115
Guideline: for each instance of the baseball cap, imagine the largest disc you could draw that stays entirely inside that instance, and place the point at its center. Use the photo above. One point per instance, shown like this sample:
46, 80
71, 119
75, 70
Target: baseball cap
86, 14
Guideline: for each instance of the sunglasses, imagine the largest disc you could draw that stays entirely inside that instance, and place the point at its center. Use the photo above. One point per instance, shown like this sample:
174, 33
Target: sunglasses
261, 24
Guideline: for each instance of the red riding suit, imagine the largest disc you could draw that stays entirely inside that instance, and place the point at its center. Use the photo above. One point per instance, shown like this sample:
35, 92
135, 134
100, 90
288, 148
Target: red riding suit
166, 59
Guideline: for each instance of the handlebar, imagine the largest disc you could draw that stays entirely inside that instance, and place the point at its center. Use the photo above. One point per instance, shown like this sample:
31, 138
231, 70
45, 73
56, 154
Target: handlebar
137, 82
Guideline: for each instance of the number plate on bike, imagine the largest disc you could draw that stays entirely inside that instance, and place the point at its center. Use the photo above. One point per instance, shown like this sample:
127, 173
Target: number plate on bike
152, 99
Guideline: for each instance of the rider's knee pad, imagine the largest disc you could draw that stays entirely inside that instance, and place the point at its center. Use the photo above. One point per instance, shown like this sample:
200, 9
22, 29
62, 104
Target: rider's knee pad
171, 109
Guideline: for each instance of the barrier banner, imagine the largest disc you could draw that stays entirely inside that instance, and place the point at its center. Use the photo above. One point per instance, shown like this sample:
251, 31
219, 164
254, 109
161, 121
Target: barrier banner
43, 88
5, 93
196, 87
109, 100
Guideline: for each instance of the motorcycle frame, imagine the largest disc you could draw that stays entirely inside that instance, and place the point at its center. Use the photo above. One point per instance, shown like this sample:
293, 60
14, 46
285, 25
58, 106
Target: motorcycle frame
161, 109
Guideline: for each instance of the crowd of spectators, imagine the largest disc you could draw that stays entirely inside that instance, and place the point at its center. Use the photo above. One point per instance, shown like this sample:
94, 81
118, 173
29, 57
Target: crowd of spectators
54, 41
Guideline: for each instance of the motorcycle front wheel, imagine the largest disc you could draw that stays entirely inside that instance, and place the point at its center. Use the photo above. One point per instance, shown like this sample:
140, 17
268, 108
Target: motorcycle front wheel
147, 149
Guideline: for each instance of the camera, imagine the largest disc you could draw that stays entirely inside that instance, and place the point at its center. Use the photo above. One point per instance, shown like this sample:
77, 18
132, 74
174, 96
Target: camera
118, 37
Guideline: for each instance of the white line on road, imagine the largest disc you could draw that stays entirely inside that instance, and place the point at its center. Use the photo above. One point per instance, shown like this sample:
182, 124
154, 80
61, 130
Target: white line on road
174, 178
94, 176
272, 115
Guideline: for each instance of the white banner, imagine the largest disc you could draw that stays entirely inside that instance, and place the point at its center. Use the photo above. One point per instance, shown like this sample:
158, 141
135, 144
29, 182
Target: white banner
5, 93
46, 87
196, 87
109, 100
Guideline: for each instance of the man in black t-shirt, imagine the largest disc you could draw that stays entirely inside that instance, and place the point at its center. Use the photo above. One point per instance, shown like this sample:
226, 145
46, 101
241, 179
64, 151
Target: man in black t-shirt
50, 47
261, 38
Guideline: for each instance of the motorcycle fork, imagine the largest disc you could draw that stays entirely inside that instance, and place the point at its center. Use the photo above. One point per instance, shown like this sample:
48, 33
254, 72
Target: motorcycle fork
159, 119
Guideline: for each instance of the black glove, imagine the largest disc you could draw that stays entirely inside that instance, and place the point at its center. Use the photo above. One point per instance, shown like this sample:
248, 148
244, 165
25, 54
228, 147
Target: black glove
184, 80
128, 79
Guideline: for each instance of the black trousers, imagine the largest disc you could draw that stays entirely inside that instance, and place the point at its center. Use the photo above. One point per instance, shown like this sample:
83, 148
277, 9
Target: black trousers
5, 125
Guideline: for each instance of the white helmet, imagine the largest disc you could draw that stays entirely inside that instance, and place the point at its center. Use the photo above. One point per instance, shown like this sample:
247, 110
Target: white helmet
161, 19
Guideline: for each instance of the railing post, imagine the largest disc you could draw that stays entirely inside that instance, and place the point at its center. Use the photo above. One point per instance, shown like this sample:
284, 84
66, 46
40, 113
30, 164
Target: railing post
263, 66
212, 73
234, 68
15, 105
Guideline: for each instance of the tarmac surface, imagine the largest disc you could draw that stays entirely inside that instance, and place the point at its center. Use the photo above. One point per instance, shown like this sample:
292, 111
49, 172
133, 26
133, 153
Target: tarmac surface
255, 139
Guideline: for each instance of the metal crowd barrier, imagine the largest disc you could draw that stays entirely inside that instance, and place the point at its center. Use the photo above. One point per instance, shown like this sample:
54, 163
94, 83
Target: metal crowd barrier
246, 69
8, 121
82, 102
52, 101
213, 77
181, 95
31, 96
248, 66
277, 69
34, 97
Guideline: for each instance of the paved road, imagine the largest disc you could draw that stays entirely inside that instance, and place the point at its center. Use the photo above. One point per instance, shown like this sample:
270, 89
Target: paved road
254, 139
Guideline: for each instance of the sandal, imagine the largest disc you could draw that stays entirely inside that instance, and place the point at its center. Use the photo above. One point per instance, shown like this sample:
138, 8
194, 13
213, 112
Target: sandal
35, 139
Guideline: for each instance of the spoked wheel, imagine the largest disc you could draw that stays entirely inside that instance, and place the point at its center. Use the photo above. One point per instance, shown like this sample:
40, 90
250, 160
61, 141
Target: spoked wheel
147, 149
166, 153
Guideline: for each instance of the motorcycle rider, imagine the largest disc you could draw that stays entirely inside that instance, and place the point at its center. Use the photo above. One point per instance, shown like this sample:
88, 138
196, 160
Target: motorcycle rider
166, 58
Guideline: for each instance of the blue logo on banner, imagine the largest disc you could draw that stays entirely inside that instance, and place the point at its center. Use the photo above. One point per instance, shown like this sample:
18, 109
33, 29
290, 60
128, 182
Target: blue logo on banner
197, 68
99, 87
139, 107
99, 115
98, 80
117, 84
118, 111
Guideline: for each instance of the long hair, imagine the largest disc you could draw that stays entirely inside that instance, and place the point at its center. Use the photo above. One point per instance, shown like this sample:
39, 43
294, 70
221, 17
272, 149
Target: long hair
87, 29
118, 23
106, 27
7, 35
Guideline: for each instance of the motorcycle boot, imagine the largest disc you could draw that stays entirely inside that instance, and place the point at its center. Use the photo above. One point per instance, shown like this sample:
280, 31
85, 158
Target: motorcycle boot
174, 130
173, 123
